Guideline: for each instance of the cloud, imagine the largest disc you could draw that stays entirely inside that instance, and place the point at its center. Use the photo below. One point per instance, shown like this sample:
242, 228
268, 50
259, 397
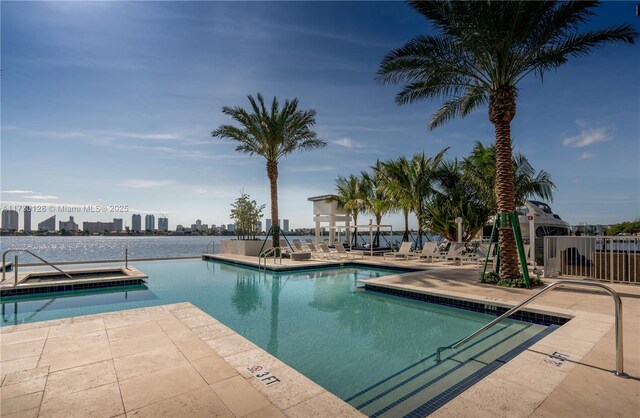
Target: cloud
40, 196
145, 184
586, 156
347, 143
16, 191
587, 136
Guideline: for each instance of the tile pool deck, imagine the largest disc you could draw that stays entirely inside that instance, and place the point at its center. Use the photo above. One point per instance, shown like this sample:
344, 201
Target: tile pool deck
163, 361
175, 360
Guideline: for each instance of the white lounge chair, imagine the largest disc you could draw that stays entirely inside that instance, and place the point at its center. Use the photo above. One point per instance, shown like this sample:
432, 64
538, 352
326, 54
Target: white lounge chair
428, 251
453, 253
328, 253
404, 252
341, 250
314, 251
478, 256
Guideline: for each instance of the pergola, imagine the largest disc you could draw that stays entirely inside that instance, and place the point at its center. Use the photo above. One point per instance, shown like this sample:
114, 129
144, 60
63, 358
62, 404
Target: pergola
370, 227
327, 211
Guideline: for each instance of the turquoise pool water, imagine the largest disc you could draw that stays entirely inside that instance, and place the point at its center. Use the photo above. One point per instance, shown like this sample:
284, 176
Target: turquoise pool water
318, 322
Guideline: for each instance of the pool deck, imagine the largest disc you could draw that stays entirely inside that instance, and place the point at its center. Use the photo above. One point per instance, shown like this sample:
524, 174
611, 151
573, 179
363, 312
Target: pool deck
163, 361
175, 360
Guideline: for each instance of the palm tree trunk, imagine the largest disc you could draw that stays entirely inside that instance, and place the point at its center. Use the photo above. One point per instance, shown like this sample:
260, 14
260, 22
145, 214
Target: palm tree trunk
272, 173
378, 222
405, 212
502, 110
355, 230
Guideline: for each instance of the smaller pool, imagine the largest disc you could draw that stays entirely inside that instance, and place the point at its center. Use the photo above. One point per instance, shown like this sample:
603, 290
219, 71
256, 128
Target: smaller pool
374, 350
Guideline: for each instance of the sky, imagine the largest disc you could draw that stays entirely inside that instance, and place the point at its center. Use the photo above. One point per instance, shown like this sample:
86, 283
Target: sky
113, 104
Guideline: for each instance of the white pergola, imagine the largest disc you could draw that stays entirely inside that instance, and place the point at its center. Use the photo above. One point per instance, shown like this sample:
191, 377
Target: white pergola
370, 227
327, 211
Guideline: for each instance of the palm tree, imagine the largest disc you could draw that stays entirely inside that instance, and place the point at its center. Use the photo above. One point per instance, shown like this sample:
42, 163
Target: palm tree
377, 201
271, 133
482, 50
352, 197
396, 185
418, 177
456, 196
480, 170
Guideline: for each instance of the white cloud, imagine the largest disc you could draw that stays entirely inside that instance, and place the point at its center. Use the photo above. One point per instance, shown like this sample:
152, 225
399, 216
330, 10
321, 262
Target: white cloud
587, 136
16, 191
347, 143
586, 156
145, 184
41, 196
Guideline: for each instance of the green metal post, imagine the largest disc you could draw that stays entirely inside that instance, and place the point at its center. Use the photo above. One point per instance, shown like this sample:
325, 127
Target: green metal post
486, 258
515, 225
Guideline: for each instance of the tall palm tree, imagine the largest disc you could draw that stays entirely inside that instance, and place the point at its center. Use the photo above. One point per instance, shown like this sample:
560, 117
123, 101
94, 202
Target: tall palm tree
351, 193
377, 200
481, 52
271, 133
418, 177
396, 184
480, 170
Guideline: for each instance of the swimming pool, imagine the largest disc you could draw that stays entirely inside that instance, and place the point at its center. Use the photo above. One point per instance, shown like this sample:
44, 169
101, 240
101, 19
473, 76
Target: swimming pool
373, 350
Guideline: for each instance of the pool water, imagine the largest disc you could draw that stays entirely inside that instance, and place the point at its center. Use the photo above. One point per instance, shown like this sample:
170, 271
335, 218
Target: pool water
373, 350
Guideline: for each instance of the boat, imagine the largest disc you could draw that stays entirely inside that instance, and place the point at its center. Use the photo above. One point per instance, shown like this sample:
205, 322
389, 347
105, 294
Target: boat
545, 222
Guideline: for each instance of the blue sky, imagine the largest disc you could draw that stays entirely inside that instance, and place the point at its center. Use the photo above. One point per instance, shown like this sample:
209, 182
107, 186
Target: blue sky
113, 104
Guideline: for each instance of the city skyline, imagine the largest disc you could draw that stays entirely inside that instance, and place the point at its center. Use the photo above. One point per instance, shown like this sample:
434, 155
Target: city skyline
120, 108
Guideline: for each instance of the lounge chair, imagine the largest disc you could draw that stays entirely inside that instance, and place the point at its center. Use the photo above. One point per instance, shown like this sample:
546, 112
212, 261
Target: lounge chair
428, 251
328, 253
314, 251
404, 252
453, 253
341, 250
297, 244
479, 255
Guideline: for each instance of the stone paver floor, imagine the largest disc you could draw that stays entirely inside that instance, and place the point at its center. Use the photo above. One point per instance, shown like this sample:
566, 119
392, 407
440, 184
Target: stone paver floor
171, 360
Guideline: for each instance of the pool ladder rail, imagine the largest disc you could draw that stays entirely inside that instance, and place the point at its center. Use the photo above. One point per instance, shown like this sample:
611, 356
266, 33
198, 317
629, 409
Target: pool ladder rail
277, 255
619, 371
15, 264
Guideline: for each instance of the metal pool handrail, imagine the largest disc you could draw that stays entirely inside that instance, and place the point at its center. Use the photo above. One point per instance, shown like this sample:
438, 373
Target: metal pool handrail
265, 253
619, 371
15, 267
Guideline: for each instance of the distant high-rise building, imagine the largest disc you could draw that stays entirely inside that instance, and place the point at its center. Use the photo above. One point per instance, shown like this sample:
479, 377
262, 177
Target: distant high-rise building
163, 224
117, 224
149, 222
136, 223
69, 225
231, 227
285, 225
259, 226
267, 226
9, 220
27, 219
223, 227
48, 224
97, 227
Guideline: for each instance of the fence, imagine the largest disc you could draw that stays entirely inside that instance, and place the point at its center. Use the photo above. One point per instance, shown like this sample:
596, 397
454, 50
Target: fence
611, 259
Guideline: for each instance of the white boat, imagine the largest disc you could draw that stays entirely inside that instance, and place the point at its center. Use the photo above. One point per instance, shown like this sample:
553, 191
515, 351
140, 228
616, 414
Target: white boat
545, 222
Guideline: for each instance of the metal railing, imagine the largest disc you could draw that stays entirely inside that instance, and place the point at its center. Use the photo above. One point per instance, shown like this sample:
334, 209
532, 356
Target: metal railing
613, 259
619, 371
15, 264
266, 253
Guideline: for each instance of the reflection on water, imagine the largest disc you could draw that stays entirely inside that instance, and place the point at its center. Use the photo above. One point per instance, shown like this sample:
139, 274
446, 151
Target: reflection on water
19, 309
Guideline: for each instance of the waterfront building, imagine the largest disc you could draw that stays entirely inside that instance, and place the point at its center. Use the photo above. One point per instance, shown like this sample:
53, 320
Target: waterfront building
163, 224
117, 224
27, 219
47, 225
136, 223
9, 220
149, 222
267, 226
231, 227
69, 225
285, 225
259, 226
97, 227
